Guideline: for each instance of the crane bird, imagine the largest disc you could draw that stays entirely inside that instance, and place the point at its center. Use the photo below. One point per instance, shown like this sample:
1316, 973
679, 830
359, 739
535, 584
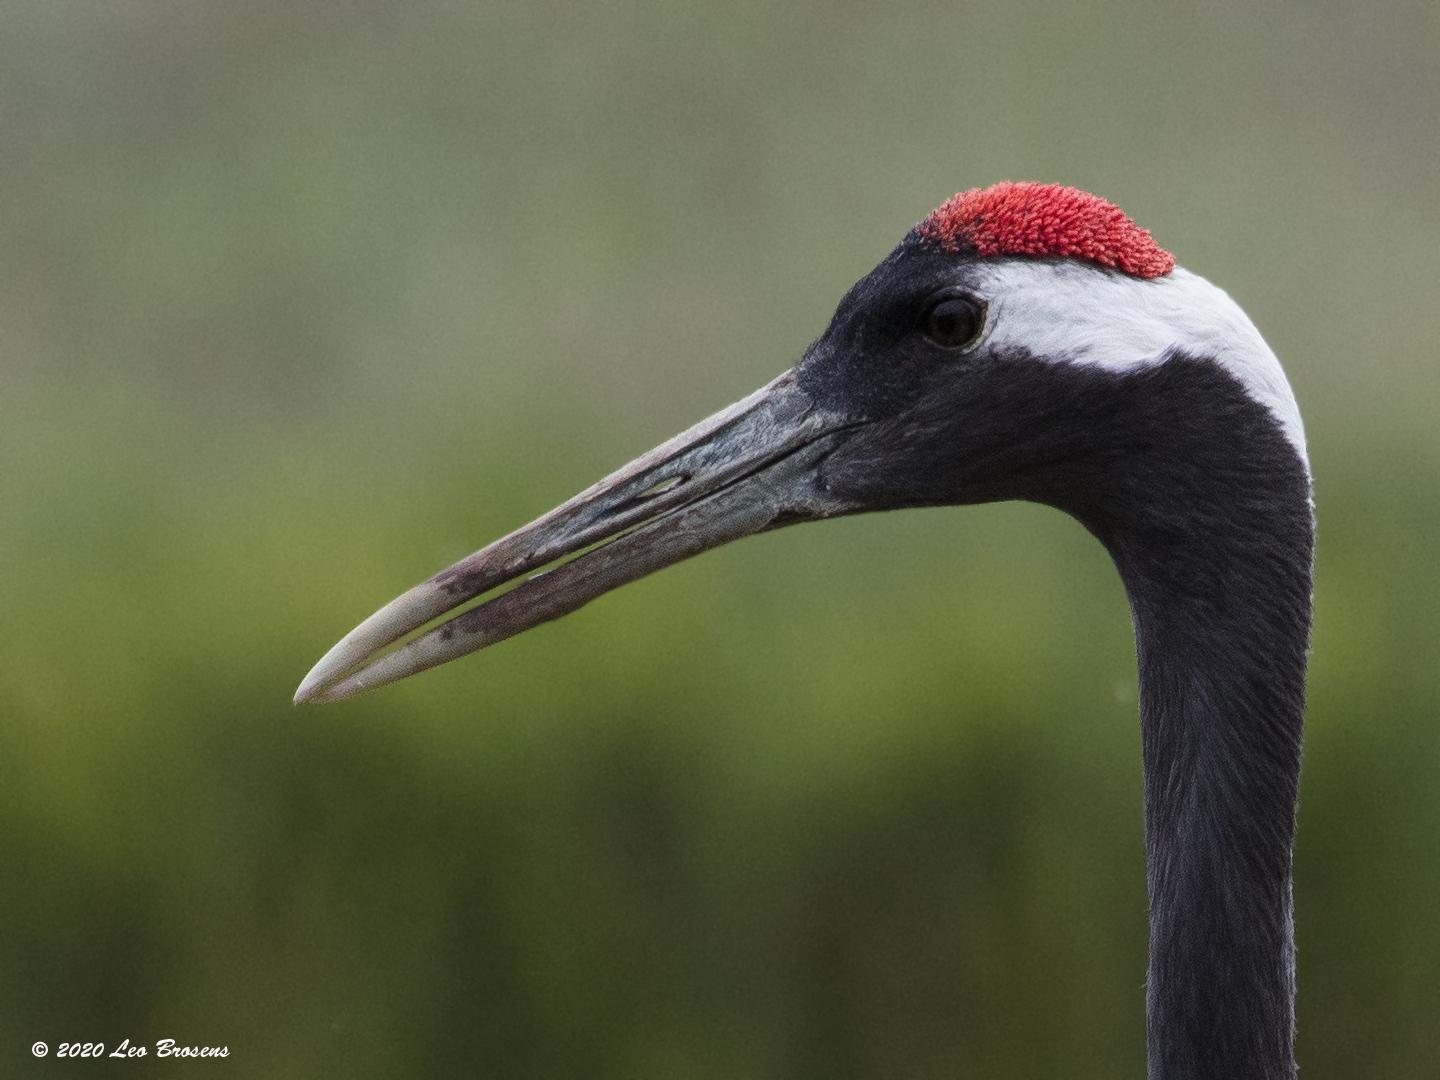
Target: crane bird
1023, 341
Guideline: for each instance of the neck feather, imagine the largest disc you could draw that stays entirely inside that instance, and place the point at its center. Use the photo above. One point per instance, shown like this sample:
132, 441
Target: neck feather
1217, 566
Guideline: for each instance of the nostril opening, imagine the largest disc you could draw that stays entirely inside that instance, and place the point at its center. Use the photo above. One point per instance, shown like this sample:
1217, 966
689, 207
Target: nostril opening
662, 486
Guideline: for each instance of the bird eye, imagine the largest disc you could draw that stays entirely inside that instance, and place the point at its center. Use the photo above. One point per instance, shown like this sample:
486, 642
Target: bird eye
953, 322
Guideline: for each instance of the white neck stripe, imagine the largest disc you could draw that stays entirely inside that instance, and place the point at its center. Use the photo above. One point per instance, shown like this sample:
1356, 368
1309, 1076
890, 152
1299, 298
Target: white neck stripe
1091, 316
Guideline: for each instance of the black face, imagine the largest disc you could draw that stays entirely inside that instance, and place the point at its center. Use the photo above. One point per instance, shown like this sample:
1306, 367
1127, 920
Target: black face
898, 335
952, 418
948, 417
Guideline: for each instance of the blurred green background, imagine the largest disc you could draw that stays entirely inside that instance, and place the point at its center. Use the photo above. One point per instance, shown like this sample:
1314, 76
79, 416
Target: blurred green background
301, 301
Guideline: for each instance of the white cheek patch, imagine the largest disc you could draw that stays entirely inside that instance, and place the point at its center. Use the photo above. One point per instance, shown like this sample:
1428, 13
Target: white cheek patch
1087, 315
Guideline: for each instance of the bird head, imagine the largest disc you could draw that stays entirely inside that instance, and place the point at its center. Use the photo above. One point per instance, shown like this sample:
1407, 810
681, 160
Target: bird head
1022, 341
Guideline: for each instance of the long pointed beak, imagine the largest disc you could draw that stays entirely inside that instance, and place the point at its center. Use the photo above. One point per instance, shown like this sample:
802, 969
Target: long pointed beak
748, 468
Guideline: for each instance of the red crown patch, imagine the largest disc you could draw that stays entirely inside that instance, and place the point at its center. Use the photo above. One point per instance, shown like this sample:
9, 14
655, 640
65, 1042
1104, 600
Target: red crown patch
1045, 221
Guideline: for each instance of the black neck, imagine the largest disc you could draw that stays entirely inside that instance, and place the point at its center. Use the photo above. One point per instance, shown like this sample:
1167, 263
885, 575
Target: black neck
1217, 564
1204, 505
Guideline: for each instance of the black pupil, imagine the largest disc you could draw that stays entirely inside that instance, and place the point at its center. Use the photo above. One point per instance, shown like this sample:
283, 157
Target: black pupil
953, 322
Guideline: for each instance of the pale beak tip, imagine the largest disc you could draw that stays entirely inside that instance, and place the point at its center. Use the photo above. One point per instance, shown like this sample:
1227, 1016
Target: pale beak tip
317, 692
332, 677
309, 689
328, 681
316, 686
